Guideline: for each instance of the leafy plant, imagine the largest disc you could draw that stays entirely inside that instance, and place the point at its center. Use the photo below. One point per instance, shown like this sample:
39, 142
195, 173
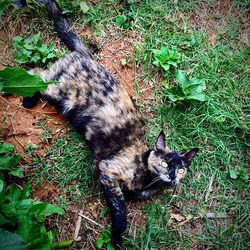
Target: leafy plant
73, 6
125, 20
187, 89
32, 50
11, 241
19, 81
238, 173
21, 218
166, 58
105, 240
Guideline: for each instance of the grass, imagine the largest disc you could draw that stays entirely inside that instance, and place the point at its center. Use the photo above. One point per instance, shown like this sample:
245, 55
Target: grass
219, 127
67, 164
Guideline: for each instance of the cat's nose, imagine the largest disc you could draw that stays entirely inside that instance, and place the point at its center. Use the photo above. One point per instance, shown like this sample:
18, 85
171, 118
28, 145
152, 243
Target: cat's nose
172, 174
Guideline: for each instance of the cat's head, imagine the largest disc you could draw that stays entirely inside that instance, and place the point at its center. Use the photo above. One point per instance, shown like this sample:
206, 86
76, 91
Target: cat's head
169, 166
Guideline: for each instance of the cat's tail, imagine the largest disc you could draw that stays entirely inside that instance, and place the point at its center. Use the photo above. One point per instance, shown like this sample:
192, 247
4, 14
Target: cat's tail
62, 26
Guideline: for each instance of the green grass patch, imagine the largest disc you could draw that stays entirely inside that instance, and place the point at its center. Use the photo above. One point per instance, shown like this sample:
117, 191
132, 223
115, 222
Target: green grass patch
68, 164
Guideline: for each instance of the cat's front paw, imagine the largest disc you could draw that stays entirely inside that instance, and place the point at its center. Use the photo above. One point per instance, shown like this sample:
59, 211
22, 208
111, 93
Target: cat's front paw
117, 240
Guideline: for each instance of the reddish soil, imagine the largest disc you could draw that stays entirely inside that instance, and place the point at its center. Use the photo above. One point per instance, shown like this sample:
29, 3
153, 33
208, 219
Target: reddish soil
21, 127
215, 18
112, 55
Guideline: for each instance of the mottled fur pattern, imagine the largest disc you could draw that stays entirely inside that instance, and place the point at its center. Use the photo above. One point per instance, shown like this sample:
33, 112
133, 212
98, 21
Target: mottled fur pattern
101, 110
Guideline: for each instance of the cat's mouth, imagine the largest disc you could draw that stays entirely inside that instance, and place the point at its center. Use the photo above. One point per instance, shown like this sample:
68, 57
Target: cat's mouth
168, 181
165, 177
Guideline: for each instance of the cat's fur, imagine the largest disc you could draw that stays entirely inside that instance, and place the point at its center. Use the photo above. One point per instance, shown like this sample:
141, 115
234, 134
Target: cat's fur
100, 109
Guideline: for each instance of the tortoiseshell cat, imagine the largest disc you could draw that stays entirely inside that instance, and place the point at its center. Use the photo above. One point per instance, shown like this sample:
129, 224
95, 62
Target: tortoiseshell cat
99, 109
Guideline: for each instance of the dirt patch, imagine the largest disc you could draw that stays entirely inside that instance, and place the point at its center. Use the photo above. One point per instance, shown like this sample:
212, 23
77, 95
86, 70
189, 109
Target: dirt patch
214, 18
117, 57
40, 126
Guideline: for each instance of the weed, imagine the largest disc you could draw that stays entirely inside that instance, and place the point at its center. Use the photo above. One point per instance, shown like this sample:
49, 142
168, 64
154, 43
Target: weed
32, 50
166, 58
42, 123
22, 219
105, 240
73, 7
187, 89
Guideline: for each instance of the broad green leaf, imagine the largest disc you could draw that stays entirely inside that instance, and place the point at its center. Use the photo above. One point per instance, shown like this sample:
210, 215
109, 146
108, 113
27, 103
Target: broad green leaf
193, 87
124, 62
51, 55
175, 93
165, 66
84, 7
6, 148
34, 234
11, 241
35, 58
8, 162
233, 174
120, 20
29, 46
196, 96
157, 63
181, 78
36, 38
16, 209
44, 59
18, 81
25, 193
172, 63
17, 39
17, 172
99, 243
41, 210
14, 193
43, 49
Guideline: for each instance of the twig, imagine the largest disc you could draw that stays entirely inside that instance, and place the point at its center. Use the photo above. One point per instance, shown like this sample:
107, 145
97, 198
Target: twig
91, 243
90, 220
211, 180
45, 103
92, 229
78, 227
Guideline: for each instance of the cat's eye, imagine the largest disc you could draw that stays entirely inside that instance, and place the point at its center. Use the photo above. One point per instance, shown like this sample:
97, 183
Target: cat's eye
164, 164
181, 170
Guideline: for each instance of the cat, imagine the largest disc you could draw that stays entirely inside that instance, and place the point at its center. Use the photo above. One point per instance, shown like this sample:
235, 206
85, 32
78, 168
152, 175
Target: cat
96, 106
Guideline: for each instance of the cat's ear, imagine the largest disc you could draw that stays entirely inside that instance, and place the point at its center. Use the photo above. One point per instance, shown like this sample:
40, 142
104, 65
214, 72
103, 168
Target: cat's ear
161, 143
189, 155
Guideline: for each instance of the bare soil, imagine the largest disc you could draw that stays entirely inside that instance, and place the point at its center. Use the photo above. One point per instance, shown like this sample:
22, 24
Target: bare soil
215, 18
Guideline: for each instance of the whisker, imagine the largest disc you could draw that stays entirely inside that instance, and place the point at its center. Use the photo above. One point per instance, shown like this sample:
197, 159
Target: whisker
153, 181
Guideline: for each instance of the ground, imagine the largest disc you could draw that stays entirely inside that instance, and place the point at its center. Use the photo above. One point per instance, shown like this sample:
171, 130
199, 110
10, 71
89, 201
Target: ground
209, 210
